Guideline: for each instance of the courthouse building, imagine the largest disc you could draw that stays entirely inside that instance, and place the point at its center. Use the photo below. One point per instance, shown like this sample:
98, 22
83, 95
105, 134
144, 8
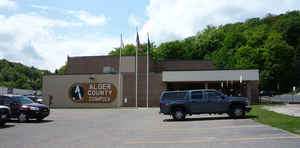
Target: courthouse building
105, 81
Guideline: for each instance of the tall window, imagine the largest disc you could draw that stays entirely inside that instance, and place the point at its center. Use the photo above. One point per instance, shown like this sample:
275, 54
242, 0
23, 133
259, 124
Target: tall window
108, 70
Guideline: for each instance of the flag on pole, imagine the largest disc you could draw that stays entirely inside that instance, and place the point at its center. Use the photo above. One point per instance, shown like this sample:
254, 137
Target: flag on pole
122, 43
148, 44
138, 44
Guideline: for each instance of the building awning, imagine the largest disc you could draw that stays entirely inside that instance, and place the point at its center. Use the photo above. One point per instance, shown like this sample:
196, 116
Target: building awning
211, 75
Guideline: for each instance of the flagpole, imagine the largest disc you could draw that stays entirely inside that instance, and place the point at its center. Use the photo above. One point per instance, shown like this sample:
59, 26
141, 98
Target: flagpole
136, 72
121, 46
148, 72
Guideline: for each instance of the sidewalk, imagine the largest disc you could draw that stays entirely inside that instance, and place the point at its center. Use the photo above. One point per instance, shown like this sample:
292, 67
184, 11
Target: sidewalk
284, 98
289, 109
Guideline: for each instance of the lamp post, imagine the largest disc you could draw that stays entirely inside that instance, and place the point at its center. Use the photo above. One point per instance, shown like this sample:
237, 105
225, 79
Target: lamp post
294, 91
241, 84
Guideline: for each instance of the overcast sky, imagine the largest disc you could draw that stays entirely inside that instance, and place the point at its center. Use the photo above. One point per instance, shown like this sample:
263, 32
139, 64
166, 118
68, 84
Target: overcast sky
42, 33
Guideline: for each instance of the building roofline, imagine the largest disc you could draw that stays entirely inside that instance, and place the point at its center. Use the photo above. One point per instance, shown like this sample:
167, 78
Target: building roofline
139, 56
207, 70
189, 90
160, 61
150, 72
175, 60
104, 56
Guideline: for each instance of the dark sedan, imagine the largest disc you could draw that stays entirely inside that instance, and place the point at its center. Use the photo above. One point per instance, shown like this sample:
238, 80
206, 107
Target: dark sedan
24, 108
268, 93
4, 114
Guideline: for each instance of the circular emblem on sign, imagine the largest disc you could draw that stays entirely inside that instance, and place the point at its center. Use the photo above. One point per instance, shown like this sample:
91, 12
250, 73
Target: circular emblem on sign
77, 92
92, 92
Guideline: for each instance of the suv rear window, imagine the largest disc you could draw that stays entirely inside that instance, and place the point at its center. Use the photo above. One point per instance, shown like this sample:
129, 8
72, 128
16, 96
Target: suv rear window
174, 95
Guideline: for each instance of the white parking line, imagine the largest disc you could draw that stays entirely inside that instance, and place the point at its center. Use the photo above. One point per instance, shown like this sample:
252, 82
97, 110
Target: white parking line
212, 128
209, 139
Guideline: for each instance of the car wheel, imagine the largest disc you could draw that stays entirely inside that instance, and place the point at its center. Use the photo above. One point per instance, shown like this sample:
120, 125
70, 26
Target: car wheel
238, 112
178, 114
22, 118
39, 119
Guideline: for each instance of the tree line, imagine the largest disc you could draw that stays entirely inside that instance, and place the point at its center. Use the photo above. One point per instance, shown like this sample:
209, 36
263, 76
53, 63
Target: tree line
270, 44
20, 76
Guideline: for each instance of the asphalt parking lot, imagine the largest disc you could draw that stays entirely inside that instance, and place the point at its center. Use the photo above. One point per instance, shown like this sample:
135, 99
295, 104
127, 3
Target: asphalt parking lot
138, 128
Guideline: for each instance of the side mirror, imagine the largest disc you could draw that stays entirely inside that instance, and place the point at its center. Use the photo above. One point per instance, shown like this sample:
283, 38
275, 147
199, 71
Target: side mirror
223, 97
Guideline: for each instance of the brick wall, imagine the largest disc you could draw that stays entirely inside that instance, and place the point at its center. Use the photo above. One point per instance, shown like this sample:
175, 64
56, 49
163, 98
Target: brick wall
156, 86
91, 64
95, 64
186, 65
142, 65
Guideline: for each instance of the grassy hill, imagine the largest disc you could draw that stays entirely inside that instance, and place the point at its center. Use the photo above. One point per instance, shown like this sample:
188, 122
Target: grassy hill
20, 76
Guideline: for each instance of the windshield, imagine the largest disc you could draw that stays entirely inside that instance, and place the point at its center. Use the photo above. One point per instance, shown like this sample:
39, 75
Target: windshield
23, 100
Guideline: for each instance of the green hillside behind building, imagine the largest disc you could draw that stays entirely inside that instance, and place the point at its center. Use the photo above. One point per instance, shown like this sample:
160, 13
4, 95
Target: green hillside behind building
270, 44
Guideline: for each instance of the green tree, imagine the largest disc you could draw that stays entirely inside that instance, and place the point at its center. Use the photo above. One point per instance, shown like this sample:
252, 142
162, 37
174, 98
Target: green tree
61, 70
20, 76
246, 57
130, 49
171, 50
278, 66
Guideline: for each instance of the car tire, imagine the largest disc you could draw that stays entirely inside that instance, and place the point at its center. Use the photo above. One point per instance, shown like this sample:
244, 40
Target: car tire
23, 118
237, 111
178, 114
2, 123
39, 119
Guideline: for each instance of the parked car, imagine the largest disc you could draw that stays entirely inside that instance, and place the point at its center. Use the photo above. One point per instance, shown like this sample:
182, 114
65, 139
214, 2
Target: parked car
23, 108
4, 114
190, 102
268, 93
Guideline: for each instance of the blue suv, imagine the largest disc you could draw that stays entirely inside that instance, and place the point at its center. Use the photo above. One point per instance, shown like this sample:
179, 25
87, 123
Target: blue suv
189, 102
